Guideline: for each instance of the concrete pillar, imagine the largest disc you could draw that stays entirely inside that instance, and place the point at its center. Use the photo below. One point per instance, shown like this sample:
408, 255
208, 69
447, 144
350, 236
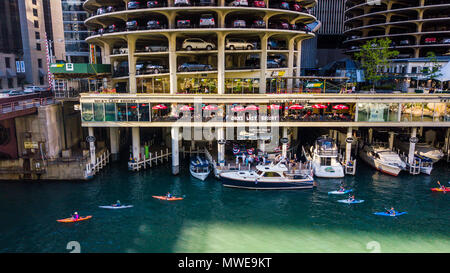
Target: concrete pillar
262, 145
220, 63
284, 145
447, 140
136, 142
412, 146
299, 58
391, 140
174, 131
399, 113
172, 63
106, 51
291, 44
348, 146
91, 146
132, 64
263, 64
370, 135
221, 147
114, 142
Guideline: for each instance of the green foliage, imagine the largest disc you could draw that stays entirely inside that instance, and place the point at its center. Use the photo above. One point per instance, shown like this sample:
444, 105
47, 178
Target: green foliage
431, 69
373, 55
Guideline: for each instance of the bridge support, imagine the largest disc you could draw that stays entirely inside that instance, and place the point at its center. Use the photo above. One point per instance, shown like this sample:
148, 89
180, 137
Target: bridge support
136, 142
284, 145
391, 140
412, 147
91, 145
175, 131
348, 146
221, 146
114, 142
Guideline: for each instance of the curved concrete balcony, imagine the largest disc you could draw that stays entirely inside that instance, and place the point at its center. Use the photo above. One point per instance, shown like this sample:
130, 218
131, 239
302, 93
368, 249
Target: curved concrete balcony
413, 34
408, 46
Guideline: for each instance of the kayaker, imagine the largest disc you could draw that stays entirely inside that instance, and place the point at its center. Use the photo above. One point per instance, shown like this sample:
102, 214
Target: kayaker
117, 204
169, 195
341, 188
351, 198
442, 187
75, 216
391, 211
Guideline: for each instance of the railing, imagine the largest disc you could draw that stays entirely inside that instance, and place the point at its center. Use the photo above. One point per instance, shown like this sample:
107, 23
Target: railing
153, 159
100, 162
63, 94
24, 104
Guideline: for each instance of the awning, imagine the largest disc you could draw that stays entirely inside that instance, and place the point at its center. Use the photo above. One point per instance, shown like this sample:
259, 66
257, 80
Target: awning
10, 73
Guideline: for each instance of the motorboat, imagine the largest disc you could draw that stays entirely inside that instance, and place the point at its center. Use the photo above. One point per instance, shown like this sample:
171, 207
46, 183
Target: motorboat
425, 163
268, 177
200, 167
422, 149
382, 158
324, 159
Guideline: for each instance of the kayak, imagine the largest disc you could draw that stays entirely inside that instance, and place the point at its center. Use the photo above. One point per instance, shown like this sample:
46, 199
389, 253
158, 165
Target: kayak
167, 199
388, 214
441, 190
339, 192
350, 202
70, 220
116, 207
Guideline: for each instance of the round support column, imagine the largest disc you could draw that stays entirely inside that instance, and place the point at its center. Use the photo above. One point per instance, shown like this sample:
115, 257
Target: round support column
91, 145
220, 146
136, 142
412, 146
284, 145
348, 146
174, 131
391, 140
114, 142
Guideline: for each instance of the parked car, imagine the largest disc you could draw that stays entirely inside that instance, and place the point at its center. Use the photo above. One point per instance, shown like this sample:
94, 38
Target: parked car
134, 5
156, 48
284, 5
354, 37
197, 43
405, 42
150, 68
182, 3
122, 50
280, 59
239, 23
430, 40
206, 3
12, 93
274, 44
252, 62
110, 9
101, 11
207, 20
183, 23
259, 4
100, 31
132, 25
259, 24
154, 4
279, 25
354, 47
154, 24
33, 89
194, 66
446, 41
239, 3
234, 43
272, 64
403, 56
112, 28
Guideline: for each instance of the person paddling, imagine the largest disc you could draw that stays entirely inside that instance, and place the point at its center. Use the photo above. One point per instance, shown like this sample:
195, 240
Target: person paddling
351, 198
391, 211
117, 204
341, 188
75, 216
442, 187
168, 195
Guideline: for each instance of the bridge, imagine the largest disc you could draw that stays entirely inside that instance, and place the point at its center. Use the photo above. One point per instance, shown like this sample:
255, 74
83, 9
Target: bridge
22, 105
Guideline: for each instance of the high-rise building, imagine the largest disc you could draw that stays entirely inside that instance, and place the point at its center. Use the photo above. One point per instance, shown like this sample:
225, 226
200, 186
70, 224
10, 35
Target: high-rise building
75, 32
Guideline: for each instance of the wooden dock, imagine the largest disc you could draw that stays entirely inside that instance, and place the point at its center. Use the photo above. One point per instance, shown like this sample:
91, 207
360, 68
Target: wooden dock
153, 160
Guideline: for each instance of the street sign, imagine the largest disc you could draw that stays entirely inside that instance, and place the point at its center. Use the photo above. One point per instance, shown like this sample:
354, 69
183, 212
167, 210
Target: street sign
284, 140
90, 138
349, 140
221, 141
30, 145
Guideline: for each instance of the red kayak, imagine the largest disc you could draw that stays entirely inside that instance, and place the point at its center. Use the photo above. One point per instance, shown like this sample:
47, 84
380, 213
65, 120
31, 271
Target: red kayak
167, 199
70, 220
439, 189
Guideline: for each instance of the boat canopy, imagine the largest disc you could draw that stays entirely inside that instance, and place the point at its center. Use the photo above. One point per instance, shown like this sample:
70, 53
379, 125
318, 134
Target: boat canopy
199, 162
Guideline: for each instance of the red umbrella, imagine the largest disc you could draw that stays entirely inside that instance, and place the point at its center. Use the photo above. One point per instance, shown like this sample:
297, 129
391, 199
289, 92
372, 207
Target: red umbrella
159, 106
252, 108
340, 107
210, 107
274, 107
319, 106
238, 108
296, 107
186, 108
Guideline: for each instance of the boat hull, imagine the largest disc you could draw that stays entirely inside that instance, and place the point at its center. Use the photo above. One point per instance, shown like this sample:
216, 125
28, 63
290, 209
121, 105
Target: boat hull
263, 185
201, 176
387, 169
321, 171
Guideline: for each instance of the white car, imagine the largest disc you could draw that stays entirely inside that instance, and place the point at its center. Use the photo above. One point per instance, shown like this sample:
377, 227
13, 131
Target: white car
234, 43
197, 43
239, 3
32, 89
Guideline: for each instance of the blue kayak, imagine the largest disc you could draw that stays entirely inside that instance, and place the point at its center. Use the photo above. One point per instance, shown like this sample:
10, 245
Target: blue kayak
388, 214
350, 202
116, 207
339, 192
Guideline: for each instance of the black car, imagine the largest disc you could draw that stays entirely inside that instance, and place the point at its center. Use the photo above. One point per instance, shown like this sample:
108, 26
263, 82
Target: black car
110, 9
134, 5
154, 24
193, 66
101, 11
280, 59
112, 28
154, 4
100, 31
272, 64
252, 62
149, 68
132, 25
206, 2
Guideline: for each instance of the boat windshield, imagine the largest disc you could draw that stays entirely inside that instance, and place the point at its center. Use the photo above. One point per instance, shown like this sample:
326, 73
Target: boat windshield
259, 172
271, 174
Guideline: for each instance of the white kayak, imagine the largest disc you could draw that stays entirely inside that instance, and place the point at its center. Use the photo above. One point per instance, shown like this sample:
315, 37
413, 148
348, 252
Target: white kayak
116, 207
339, 192
350, 202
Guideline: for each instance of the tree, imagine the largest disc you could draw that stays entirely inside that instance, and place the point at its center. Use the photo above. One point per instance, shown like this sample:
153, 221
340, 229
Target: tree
433, 71
373, 55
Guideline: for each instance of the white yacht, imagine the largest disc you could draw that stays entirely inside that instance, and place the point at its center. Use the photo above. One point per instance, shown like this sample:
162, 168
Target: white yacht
200, 168
324, 159
383, 159
268, 177
422, 149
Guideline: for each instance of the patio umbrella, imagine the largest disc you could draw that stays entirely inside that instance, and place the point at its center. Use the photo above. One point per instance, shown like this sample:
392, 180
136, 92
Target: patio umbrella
274, 107
210, 107
159, 106
252, 108
340, 107
238, 108
186, 108
319, 106
296, 107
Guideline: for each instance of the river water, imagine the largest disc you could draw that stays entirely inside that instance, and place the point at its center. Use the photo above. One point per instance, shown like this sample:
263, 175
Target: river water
212, 218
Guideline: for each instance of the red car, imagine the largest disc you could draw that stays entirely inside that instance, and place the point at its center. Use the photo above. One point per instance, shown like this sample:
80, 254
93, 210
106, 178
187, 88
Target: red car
259, 4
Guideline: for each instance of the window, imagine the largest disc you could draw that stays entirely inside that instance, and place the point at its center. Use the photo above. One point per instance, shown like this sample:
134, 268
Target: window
10, 83
414, 70
37, 35
35, 12
7, 62
40, 63
36, 23
38, 46
41, 80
